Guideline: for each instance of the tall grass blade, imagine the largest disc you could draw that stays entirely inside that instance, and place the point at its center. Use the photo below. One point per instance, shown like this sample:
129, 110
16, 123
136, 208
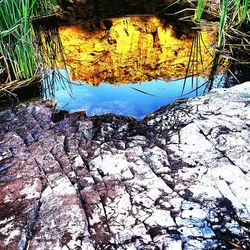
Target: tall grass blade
199, 9
223, 17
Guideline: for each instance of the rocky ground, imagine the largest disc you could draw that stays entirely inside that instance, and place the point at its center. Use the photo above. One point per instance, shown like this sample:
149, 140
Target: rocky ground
179, 179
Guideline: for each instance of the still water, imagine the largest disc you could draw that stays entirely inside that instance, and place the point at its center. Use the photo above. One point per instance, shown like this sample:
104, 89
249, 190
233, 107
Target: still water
135, 100
131, 66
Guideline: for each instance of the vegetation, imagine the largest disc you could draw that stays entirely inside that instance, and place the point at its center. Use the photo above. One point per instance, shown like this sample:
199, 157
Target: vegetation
233, 14
199, 9
44, 8
19, 56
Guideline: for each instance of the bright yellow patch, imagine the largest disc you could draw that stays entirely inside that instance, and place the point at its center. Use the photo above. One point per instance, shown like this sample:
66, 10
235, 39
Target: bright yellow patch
134, 49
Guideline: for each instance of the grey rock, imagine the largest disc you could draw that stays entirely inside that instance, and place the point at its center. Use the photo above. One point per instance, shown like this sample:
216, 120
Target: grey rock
179, 179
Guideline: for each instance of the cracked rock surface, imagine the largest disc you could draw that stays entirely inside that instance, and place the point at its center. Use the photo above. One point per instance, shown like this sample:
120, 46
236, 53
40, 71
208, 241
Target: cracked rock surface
179, 179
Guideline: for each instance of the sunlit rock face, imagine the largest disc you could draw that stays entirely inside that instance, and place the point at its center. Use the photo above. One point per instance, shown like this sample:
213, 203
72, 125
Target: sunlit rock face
134, 49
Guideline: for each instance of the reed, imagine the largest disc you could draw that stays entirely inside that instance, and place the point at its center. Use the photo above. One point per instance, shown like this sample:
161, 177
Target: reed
16, 46
233, 14
19, 56
223, 17
44, 8
199, 9
240, 8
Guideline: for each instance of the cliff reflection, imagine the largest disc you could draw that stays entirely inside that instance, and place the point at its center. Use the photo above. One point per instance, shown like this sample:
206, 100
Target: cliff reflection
134, 49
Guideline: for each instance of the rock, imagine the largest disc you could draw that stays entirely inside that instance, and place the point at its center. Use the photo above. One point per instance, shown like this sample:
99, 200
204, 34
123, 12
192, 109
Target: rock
179, 179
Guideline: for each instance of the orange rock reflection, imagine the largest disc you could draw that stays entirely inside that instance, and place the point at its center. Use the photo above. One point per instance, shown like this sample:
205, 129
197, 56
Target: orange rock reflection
133, 50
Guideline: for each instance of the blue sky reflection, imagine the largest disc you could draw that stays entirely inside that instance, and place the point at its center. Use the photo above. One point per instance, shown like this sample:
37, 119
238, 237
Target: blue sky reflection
122, 99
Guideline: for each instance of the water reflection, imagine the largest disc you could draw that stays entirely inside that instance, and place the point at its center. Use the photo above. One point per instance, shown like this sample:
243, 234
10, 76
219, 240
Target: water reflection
138, 63
135, 49
127, 99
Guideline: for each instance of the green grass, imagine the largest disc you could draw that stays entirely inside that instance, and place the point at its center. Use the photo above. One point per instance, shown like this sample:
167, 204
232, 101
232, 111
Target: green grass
16, 39
44, 8
199, 9
223, 19
233, 14
19, 56
241, 9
